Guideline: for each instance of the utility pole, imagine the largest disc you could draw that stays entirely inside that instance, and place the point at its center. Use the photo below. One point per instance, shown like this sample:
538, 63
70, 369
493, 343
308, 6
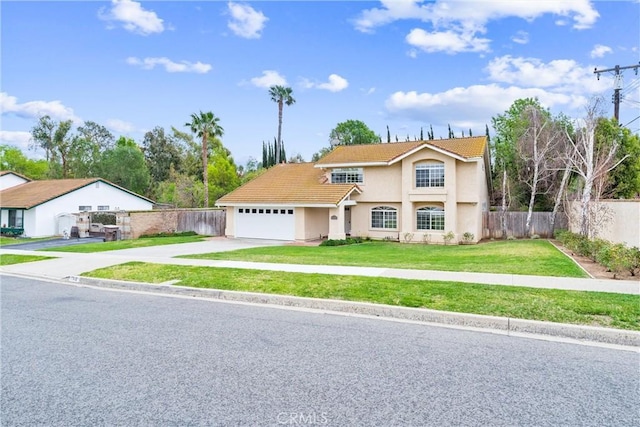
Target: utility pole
617, 85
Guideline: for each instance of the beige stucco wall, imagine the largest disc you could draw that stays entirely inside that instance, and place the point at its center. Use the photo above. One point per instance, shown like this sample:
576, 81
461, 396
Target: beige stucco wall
312, 223
361, 221
230, 226
381, 183
620, 221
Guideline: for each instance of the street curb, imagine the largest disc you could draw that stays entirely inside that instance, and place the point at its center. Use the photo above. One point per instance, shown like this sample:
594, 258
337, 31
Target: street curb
445, 318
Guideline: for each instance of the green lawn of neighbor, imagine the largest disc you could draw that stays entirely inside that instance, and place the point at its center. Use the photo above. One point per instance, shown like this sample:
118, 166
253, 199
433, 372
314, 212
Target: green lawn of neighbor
529, 257
8, 259
587, 308
127, 244
14, 241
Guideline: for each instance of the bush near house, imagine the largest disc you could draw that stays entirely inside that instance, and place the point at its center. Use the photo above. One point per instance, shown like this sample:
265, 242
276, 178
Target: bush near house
615, 257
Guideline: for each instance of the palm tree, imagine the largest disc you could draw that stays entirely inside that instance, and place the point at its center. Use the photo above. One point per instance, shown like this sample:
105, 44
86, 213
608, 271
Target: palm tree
205, 125
281, 95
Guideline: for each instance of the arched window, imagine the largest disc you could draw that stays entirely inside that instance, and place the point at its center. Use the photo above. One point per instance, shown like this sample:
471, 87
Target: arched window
430, 174
430, 218
384, 217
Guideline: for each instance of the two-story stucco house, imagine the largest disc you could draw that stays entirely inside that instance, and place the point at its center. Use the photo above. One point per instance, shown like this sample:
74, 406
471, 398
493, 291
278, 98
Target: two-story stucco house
420, 189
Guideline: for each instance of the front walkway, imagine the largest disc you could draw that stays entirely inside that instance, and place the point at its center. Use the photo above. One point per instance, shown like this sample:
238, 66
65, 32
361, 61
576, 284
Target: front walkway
74, 264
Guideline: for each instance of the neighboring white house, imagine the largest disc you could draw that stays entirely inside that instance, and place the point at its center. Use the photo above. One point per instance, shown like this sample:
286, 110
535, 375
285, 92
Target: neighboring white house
11, 179
39, 206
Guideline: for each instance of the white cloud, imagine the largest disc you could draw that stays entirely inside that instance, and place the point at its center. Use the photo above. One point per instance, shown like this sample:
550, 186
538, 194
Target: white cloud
169, 65
455, 24
446, 41
120, 126
368, 91
246, 21
521, 37
600, 50
20, 139
471, 14
472, 106
336, 83
132, 17
562, 84
269, 78
35, 109
563, 75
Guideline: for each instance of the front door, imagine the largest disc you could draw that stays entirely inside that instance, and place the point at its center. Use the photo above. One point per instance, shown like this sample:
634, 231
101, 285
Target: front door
347, 220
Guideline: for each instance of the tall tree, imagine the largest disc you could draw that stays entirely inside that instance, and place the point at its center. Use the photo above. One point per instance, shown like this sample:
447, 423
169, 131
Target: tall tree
205, 125
282, 96
125, 166
161, 152
13, 159
537, 149
623, 181
352, 132
593, 157
55, 139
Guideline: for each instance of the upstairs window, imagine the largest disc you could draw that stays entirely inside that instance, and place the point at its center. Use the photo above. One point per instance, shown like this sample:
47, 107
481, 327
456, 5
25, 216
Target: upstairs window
347, 176
84, 208
430, 174
384, 217
103, 208
430, 218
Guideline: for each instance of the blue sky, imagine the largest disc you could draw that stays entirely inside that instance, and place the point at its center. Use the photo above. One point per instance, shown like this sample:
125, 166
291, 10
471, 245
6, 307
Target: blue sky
132, 66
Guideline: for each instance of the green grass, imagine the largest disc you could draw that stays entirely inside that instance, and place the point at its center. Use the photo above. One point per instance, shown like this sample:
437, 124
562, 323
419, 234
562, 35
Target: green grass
8, 259
127, 244
530, 257
587, 308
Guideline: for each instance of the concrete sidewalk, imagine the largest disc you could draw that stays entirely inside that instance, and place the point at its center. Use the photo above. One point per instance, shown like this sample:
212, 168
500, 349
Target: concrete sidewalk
74, 264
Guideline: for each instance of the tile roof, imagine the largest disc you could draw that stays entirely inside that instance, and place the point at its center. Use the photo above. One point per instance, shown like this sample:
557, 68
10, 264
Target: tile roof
385, 153
34, 193
291, 183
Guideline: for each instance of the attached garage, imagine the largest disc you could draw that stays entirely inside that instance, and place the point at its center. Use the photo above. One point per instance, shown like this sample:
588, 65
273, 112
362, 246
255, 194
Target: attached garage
265, 223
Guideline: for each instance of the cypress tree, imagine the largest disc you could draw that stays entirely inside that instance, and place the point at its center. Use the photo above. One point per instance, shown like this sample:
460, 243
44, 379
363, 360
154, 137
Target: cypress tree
388, 134
265, 159
421, 135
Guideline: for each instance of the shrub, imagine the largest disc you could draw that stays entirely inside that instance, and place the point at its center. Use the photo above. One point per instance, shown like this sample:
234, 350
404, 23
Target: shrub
426, 238
408, 237
448, 237
342, 242
511, 237
468, 238
535, 236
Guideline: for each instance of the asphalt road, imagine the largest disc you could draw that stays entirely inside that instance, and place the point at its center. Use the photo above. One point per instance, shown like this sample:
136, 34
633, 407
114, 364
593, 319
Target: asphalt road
77, 356
26, 245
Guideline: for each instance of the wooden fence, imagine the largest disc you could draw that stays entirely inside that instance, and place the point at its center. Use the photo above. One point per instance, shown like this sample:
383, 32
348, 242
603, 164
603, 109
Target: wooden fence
516, 224
208, 222
204, 222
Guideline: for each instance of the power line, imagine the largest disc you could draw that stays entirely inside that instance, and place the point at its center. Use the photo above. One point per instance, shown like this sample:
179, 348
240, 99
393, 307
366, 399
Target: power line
617, 84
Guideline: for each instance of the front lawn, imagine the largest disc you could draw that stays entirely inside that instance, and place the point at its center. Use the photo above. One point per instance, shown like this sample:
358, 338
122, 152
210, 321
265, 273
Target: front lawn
529, 257
8, 259
586, 308
127, 244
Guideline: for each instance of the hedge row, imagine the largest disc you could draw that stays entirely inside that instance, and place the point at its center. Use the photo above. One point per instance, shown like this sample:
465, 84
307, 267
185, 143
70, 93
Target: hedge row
616, 257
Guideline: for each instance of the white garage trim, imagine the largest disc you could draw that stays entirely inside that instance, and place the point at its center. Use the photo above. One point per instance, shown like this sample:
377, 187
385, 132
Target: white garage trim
276, 223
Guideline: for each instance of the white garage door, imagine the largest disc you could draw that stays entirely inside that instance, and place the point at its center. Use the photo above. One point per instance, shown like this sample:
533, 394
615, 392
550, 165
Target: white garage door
265, 223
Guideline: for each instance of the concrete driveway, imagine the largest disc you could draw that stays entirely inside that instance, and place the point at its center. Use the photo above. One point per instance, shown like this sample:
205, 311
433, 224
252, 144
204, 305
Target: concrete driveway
26, 245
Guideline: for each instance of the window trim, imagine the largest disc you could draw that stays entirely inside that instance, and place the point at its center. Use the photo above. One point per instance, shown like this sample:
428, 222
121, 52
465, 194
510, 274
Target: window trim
351, 175
430, 218
430, 180
385, 211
